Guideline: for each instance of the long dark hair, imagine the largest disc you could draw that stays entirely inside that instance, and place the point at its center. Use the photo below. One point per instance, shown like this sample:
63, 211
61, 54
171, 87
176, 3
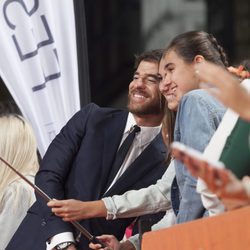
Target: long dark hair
193, 43
168, 123
148, 56
187, 46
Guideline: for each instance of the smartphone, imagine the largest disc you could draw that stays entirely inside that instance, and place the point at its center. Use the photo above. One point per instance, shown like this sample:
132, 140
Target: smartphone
180, 151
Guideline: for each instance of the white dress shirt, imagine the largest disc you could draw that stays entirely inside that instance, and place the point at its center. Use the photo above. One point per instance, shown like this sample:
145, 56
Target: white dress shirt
141, 141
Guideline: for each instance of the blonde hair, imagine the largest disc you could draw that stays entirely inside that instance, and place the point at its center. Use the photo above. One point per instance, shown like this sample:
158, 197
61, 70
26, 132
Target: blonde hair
18, 147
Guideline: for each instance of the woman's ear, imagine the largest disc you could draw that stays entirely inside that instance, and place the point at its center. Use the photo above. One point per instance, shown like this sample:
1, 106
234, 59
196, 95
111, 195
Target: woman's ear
199, 59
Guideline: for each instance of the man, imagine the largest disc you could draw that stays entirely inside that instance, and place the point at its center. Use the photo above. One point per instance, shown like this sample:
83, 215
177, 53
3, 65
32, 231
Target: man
79, 162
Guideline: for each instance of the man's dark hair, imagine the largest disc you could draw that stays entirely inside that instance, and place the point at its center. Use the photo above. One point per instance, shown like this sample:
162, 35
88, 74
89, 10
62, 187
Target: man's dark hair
148, 56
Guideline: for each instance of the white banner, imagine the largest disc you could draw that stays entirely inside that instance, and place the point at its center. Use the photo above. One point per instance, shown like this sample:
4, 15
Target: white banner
38, 62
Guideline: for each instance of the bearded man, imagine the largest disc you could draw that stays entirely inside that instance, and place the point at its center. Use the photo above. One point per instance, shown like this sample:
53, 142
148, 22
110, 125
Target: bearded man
81, 162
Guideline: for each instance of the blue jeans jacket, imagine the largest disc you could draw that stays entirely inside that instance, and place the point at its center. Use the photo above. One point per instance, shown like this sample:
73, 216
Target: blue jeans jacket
198, 116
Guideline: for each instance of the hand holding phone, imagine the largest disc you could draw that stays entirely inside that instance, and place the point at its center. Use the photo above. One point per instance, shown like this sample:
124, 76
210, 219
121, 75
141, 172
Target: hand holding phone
183, 153
199, 165
218, 179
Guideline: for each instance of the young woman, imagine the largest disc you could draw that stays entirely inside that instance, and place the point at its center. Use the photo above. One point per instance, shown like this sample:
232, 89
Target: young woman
198, 116
17, 147
232, 134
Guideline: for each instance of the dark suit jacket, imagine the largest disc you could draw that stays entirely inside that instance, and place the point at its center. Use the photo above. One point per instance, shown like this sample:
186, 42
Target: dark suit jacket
77, 165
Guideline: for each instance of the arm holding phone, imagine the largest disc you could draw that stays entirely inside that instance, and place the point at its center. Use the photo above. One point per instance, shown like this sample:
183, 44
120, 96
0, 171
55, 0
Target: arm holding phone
226, 87
233, 192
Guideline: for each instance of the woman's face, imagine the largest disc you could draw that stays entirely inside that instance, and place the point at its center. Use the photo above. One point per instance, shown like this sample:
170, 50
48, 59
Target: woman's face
177, 78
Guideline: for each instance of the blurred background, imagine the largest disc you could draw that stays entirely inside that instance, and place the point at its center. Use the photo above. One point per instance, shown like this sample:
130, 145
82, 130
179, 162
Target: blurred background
116, 30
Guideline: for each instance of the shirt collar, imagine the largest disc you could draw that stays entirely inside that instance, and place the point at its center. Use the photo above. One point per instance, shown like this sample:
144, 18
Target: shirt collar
146, 134
130, 123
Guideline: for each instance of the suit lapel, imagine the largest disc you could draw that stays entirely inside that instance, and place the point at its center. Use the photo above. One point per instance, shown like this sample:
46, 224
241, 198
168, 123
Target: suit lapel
113, 131
153, 154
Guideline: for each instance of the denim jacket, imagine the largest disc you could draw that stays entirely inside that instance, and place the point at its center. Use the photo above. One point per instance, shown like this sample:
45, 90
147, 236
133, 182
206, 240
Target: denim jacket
148, 200
198, 117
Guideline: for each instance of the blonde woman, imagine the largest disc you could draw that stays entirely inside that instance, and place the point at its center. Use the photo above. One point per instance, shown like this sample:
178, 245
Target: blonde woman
18, 147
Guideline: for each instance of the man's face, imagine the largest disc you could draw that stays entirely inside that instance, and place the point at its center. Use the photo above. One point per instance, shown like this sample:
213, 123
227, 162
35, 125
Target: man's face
144, 97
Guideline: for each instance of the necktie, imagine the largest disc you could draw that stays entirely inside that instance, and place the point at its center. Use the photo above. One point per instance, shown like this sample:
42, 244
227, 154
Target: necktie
122, 152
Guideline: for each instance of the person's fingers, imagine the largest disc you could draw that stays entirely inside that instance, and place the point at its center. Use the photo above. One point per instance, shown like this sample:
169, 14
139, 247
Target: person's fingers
246, 178
223, 182
61, 215
56, 209
191, 166
59, 210
106, 237
63, 206
217, 93
177, 154
54, 203
68, 216
210, 177
202, 166
218, 182
232, 70
208, 72
195, 166
94, 246
232, 204
65, 216
59, 203
224, 176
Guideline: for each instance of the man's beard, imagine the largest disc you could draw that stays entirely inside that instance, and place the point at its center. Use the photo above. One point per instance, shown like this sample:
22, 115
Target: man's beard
154, 107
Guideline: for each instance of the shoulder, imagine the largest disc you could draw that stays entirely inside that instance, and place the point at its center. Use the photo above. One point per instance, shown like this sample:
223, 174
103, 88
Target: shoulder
96, 109
199, 110
19, 191
200, 99
91, 113
21, 185
198, 95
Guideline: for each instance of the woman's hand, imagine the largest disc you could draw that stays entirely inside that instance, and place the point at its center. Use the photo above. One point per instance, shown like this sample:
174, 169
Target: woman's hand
73, 210
226, 87
232, 191
110, 240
